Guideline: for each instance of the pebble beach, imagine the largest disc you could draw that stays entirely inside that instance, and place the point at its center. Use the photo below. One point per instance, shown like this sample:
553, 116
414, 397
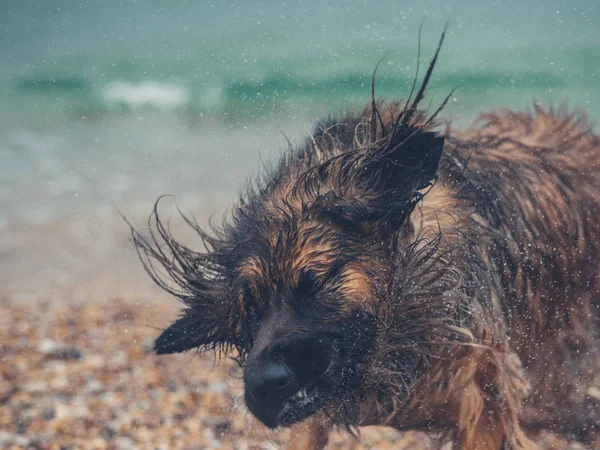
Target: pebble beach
83, 376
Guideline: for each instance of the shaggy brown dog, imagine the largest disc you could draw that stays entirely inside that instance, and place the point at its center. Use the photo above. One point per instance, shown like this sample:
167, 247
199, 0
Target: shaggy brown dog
388, 273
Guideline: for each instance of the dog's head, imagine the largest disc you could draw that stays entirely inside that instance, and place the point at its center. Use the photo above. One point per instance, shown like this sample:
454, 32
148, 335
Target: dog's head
297, 283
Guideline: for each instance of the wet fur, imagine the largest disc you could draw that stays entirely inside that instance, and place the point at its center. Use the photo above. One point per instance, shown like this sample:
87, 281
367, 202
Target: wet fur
466, 264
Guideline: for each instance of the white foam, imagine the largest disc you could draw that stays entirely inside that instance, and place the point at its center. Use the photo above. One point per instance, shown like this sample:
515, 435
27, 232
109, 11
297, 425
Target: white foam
146, 93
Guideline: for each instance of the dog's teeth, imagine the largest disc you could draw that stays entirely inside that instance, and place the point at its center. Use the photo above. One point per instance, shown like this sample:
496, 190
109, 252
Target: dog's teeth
298, 394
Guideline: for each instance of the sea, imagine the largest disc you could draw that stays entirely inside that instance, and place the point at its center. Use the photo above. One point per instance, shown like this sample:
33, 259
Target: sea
105, 105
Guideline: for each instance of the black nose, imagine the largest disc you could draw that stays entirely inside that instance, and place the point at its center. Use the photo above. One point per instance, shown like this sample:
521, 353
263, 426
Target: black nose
282, 370
271, 383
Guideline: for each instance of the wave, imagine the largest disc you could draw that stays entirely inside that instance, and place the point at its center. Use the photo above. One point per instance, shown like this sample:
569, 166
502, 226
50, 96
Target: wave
161, 95
254, 97
50, 84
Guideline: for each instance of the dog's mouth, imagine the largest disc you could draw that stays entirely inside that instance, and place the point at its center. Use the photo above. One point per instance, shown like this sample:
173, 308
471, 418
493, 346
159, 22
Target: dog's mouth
299, 407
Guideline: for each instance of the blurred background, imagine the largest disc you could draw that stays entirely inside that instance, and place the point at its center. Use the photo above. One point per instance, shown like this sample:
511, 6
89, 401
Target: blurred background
109, 104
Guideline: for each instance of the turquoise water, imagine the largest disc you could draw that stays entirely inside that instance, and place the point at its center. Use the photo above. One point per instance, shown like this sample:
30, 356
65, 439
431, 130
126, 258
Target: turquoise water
120, 101
246, 60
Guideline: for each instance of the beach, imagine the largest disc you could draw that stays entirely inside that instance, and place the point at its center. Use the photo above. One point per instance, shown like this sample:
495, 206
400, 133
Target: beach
106, 106
83, 376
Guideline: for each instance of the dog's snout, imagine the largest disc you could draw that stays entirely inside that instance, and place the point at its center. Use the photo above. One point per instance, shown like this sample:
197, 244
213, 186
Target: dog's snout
286, 367
271, 383
282, 376
309, 357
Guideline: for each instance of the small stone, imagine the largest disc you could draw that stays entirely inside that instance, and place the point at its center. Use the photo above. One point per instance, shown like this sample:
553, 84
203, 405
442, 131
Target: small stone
108, 432
69, 354
148, 347
218, 387
97, 443
71, 411
94, 386
35, 386
21, 427
124, 443
60, 382
208, 435
48, 414
5, 437
222, 427
23, 441
46, 346
594, 392
96, 361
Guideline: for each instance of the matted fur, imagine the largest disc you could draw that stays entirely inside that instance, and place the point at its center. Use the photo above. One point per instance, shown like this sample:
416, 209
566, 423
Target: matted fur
471, 261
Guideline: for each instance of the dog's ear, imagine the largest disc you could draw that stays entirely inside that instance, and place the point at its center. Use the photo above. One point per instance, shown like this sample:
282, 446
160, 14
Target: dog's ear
411, 165
396, 162
178, 337
388, 181
192, 330
195, 278
401, 174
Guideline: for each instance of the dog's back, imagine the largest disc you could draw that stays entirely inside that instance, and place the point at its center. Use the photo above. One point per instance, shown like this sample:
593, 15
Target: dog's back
534, 180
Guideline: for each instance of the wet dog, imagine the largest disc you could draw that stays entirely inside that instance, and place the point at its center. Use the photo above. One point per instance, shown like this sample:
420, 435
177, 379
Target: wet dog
389, 272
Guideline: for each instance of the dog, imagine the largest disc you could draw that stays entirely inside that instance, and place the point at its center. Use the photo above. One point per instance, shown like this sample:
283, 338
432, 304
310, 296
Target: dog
388, 272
